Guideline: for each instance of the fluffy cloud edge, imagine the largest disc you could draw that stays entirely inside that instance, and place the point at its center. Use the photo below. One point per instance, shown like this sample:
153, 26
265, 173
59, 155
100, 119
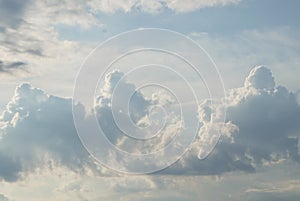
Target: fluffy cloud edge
37, 128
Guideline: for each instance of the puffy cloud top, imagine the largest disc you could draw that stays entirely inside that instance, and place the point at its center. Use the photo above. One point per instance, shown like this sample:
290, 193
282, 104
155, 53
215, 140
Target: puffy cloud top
37, 130
262, 126
260, 77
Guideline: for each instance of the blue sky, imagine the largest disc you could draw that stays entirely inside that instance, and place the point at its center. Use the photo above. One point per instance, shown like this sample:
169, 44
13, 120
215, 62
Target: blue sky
255, 45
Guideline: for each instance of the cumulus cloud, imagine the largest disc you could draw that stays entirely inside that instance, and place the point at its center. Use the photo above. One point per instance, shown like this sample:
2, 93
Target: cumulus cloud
103, 105
141, 110
261, 128
268, 117
37, 131
260, 78
235, 151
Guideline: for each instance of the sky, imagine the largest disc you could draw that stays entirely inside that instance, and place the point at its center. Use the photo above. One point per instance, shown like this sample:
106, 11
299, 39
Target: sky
195, 100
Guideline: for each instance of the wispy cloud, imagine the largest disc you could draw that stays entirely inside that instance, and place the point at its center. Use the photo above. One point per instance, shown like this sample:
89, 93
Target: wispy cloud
154, 6
10, 67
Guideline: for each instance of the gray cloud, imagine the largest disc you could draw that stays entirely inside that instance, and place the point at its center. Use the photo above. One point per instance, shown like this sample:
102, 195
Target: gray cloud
28, 28
11, 12
9, 168
3, 198
2, 29
9, 67
275, 196
36, 52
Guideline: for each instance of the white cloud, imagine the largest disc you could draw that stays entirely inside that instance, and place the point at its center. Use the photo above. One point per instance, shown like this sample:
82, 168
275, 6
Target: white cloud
30, 36
260, 78
192, 5
267, 117
153, 6
140, 113
262, 125
37, 131
262, 128
28, 28
65, 12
